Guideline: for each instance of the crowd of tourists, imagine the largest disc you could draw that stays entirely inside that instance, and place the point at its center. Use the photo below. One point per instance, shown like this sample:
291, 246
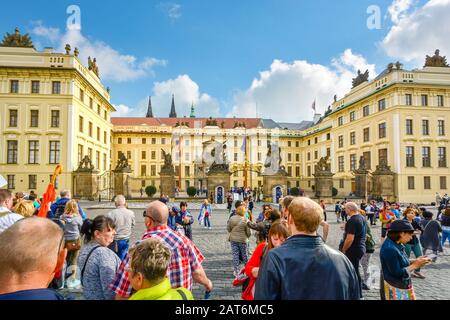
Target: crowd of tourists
291, 260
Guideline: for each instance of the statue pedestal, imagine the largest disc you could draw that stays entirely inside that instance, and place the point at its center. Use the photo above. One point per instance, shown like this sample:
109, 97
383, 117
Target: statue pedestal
384, 185
167, 181
85, 185
121, 183
218, 180
273, 184
361, 180
324, 185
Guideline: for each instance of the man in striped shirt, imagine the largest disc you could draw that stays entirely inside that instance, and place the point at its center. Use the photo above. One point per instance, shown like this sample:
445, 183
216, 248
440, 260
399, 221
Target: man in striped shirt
185, 266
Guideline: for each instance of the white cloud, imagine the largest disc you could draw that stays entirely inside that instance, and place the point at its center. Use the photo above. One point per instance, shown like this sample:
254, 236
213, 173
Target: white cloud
287, 91
186, 92
122, 111
173, 10
418, 33
53, 34
399, 8
113, 65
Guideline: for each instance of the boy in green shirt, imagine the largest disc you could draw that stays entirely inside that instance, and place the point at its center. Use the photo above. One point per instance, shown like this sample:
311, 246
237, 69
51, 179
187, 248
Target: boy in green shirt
148, 268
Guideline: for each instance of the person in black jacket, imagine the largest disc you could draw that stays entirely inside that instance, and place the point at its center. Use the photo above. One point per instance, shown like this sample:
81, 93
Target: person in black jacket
304, 267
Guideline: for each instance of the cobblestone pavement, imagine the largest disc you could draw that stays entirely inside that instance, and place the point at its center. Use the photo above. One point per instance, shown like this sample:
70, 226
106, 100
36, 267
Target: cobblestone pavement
218, 265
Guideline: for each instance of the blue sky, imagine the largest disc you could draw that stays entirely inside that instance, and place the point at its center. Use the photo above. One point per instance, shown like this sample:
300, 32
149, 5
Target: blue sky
212, 52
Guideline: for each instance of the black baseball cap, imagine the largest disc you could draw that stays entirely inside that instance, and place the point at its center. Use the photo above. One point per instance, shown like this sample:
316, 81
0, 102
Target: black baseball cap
401, 226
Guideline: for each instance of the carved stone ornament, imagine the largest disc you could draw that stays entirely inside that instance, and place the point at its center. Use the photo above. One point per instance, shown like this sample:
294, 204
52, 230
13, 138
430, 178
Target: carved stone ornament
436, 60
360, 78
17, 40
85, 165
122, 163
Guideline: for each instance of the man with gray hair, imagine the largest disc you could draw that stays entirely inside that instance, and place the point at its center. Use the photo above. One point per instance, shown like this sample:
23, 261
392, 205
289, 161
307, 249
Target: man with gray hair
185, 265
57, 208
353, 245
32, 254
124, 220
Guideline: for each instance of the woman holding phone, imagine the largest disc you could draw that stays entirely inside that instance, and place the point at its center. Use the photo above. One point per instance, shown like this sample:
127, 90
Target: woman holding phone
396, 267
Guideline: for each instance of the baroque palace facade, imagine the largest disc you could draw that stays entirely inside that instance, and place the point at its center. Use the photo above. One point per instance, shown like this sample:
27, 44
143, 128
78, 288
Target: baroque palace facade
55, 110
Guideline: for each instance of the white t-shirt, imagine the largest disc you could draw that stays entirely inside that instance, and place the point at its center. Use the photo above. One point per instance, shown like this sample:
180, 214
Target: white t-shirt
8, 219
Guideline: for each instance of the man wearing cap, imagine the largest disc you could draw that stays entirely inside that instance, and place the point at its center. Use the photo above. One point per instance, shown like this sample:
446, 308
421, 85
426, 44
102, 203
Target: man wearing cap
395, 265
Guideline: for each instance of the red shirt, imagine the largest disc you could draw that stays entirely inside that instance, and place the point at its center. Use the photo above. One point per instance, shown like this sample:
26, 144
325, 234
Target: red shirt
254, 262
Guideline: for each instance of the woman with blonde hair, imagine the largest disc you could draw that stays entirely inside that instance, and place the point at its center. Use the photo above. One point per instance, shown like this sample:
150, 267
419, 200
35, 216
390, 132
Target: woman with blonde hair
25, 208
205, 213
72, 225
239, 232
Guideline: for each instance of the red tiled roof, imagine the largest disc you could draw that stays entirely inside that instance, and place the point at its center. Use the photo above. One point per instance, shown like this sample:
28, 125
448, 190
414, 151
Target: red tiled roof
250, 123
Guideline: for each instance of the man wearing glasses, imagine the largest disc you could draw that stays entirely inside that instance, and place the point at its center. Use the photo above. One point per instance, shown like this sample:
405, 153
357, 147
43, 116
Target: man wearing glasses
185, 265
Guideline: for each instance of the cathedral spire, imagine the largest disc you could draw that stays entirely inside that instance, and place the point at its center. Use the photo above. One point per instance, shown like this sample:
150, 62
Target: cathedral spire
150, 109
192, 111
173, 113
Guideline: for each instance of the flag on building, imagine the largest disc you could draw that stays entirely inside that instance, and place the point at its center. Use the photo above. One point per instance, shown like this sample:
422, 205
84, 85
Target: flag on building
314, 105
244, 144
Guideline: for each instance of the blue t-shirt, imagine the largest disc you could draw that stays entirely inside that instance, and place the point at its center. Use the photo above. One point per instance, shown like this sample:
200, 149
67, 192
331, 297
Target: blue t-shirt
34, 294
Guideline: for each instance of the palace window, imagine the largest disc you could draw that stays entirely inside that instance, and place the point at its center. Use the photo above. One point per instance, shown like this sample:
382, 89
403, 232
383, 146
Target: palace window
34, 123
33, 152
316, 155
352, 138
441, 127
329, 152
425, 128
80, 123
426, 158
366, 134
341, 183
153, 155
82, 95
143, 170
153, 170
308, 170
408, 99
55, 151
381, 104
80, 153
35, 87
144, 155
352, 162
366, 111
440, 101
32, 181
14, 86
427, 183
297, 157
442, 157
128, 140
308, 157
316, 140
341, 163
352, 116
97, 159
340, 121
98, 133
411, 183
91, 103
56, 87
297, 172
382, 156
443, 182
409, 126
424, 99
13, 118
410, 156
12, 152
382, 130
90, 129
11, 181
341, 141
55, 119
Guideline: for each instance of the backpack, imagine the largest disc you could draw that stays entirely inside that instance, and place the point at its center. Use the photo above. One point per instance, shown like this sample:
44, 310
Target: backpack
59, 211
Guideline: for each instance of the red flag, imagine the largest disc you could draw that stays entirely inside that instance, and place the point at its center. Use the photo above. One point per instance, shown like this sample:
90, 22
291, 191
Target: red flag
50, 195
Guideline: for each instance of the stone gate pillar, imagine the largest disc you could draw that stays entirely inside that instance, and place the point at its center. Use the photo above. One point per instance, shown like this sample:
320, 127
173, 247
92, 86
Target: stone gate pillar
361, 179
218, 176
323, 179
384, 182
85, 184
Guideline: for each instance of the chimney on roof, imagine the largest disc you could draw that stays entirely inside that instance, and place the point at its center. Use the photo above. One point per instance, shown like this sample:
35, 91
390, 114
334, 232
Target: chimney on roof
173, 113
150, 109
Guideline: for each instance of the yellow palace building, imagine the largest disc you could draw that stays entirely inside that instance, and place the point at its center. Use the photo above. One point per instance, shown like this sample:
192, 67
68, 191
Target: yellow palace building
53, 109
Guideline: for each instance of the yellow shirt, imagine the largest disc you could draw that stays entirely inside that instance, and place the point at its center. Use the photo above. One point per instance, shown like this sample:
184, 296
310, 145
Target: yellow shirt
162, 291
